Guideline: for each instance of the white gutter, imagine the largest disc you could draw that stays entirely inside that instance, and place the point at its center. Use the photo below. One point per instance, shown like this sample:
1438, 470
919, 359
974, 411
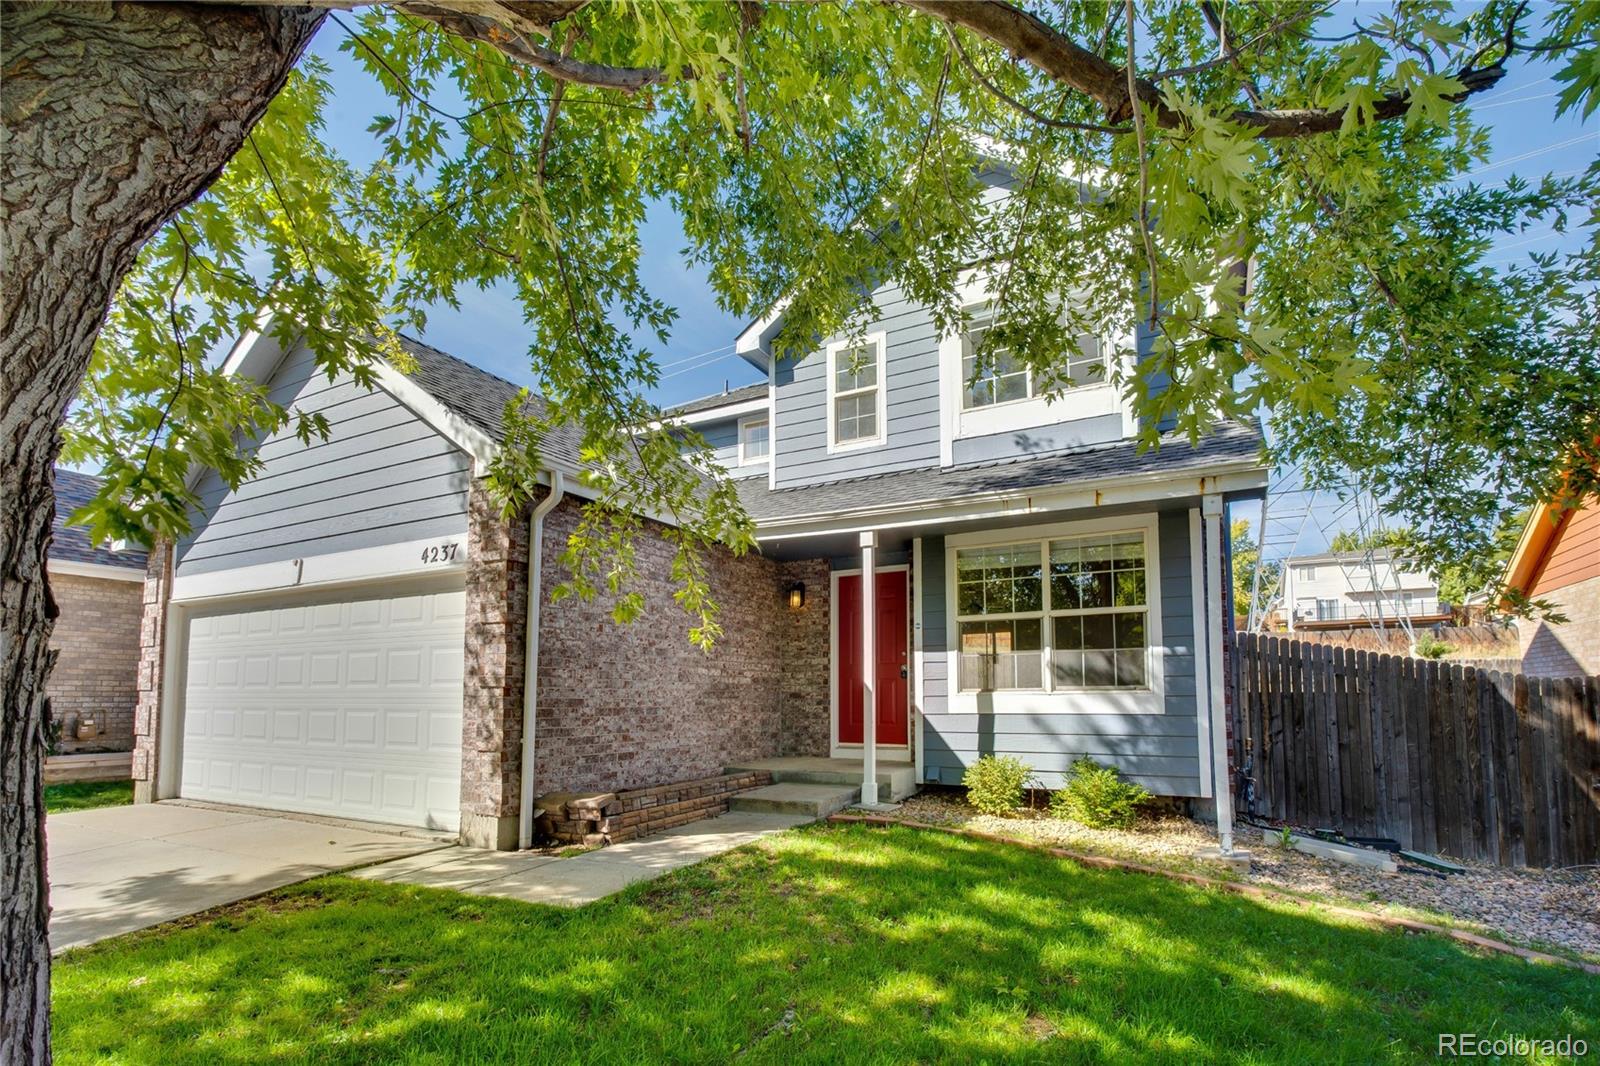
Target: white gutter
530, 667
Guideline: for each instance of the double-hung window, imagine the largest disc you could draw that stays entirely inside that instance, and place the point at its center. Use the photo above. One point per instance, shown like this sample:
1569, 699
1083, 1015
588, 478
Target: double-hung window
1063, 614
856, 407
991, 375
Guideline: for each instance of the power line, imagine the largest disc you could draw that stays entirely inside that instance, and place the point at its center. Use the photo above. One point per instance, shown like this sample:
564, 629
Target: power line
1518, 100
692, 358
701, 366
1529, 155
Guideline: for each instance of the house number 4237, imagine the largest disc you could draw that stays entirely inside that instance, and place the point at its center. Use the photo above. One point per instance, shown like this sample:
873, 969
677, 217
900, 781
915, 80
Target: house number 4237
439, 553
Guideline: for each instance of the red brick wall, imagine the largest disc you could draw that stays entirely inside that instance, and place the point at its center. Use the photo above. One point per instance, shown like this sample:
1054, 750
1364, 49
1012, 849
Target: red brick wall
1572, 647
156, 592
97, 668
496, 623
632, 706
803, 722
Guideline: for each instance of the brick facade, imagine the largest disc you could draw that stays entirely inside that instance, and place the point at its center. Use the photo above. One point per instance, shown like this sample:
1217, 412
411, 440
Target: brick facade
632, 706
804, 661
1571, 648
617, 816
96, 672
492, 686
157, 593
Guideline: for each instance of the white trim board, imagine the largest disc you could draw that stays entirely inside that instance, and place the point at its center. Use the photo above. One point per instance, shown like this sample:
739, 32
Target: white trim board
402, 560
1104, 492
104, 571
1202, 662
1148, 700
845, 751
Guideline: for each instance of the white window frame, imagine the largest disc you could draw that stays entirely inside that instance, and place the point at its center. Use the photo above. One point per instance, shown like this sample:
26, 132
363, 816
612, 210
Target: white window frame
764, 419
981, 312
1085, 401
879, 343
1148, 700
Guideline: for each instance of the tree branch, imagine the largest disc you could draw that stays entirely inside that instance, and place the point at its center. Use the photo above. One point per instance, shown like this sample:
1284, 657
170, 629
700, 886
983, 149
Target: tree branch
1144, 183
462, 20
1031, 41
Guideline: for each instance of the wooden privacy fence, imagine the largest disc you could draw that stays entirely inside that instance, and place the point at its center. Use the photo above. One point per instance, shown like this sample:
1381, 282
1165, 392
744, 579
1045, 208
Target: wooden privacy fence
1444, 758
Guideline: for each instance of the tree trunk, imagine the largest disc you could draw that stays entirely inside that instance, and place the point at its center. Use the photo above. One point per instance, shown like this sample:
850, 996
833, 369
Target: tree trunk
115, 116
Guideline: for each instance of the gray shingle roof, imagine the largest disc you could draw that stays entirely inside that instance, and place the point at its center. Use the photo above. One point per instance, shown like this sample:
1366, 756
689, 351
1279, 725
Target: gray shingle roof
481, 397
1231, 443
758, 391
71, 543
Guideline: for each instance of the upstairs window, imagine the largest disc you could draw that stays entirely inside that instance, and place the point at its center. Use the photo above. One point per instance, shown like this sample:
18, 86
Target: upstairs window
855, 385
755, 440
1005, 379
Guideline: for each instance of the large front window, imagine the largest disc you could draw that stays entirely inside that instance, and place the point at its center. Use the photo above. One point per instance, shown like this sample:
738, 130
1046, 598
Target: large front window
1078, 604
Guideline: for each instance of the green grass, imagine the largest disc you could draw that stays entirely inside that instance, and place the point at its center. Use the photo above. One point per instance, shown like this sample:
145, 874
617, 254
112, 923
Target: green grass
86, 795
833, 944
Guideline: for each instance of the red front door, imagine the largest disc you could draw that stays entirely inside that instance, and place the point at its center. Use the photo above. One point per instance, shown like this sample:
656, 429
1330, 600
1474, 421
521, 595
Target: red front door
893, 666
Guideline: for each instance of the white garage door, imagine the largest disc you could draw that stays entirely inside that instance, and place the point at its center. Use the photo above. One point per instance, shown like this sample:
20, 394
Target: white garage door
350, 708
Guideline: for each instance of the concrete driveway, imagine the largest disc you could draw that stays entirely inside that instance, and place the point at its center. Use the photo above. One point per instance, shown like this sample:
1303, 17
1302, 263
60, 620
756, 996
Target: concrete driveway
118, 869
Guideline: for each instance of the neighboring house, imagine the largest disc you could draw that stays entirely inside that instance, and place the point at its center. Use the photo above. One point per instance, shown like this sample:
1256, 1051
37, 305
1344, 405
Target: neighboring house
100, 594
1558, 560
1358, 589
946, 569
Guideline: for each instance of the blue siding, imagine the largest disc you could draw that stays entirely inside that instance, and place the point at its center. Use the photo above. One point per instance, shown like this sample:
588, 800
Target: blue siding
1159, 751
911, 377
723, 438
383, 476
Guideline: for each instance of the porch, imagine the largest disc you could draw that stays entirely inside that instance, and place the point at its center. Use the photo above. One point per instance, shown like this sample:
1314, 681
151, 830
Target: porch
804, 784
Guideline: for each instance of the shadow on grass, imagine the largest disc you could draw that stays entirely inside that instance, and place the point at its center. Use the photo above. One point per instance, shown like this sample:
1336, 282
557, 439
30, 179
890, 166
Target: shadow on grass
831, 944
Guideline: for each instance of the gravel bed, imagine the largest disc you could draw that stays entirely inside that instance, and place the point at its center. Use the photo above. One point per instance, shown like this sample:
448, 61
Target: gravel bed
1536, 908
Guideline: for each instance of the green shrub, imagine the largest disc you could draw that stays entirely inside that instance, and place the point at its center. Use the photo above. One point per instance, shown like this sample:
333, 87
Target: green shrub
1097, 797
1431, 647
995, 784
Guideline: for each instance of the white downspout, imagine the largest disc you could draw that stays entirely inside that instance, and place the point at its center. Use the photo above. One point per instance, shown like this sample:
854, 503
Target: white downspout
530, 666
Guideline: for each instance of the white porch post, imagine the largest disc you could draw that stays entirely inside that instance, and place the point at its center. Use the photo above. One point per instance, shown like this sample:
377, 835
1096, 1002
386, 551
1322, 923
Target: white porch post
869, 667
1222, 792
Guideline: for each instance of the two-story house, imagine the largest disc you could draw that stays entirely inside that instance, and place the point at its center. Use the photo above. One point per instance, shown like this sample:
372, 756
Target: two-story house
1344, 590
950, 565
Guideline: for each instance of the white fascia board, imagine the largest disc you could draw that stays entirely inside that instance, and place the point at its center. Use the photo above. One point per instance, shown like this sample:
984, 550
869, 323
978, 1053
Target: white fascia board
449, 425
406, 559
752, 340
715, 414
1103, 493
73, 568
243, 358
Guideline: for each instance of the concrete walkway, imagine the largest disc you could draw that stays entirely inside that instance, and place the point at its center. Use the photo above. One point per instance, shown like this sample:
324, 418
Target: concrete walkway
117, 869
582, 878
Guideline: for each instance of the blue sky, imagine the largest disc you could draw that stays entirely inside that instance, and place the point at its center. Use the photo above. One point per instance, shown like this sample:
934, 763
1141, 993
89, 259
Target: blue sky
698, 360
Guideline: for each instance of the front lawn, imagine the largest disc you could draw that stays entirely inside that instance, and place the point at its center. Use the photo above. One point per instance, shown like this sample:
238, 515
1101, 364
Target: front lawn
832, 944
86, 795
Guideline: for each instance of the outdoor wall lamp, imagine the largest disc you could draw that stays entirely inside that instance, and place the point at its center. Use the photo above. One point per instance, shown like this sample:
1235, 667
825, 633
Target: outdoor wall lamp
797, 595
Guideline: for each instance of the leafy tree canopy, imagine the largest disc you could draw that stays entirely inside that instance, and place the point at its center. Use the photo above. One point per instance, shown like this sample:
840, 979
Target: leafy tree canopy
1246, 561
1347, 540
810, 146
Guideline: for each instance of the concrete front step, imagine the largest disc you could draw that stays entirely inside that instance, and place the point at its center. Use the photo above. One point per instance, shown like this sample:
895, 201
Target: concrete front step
789, 797
896, 781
